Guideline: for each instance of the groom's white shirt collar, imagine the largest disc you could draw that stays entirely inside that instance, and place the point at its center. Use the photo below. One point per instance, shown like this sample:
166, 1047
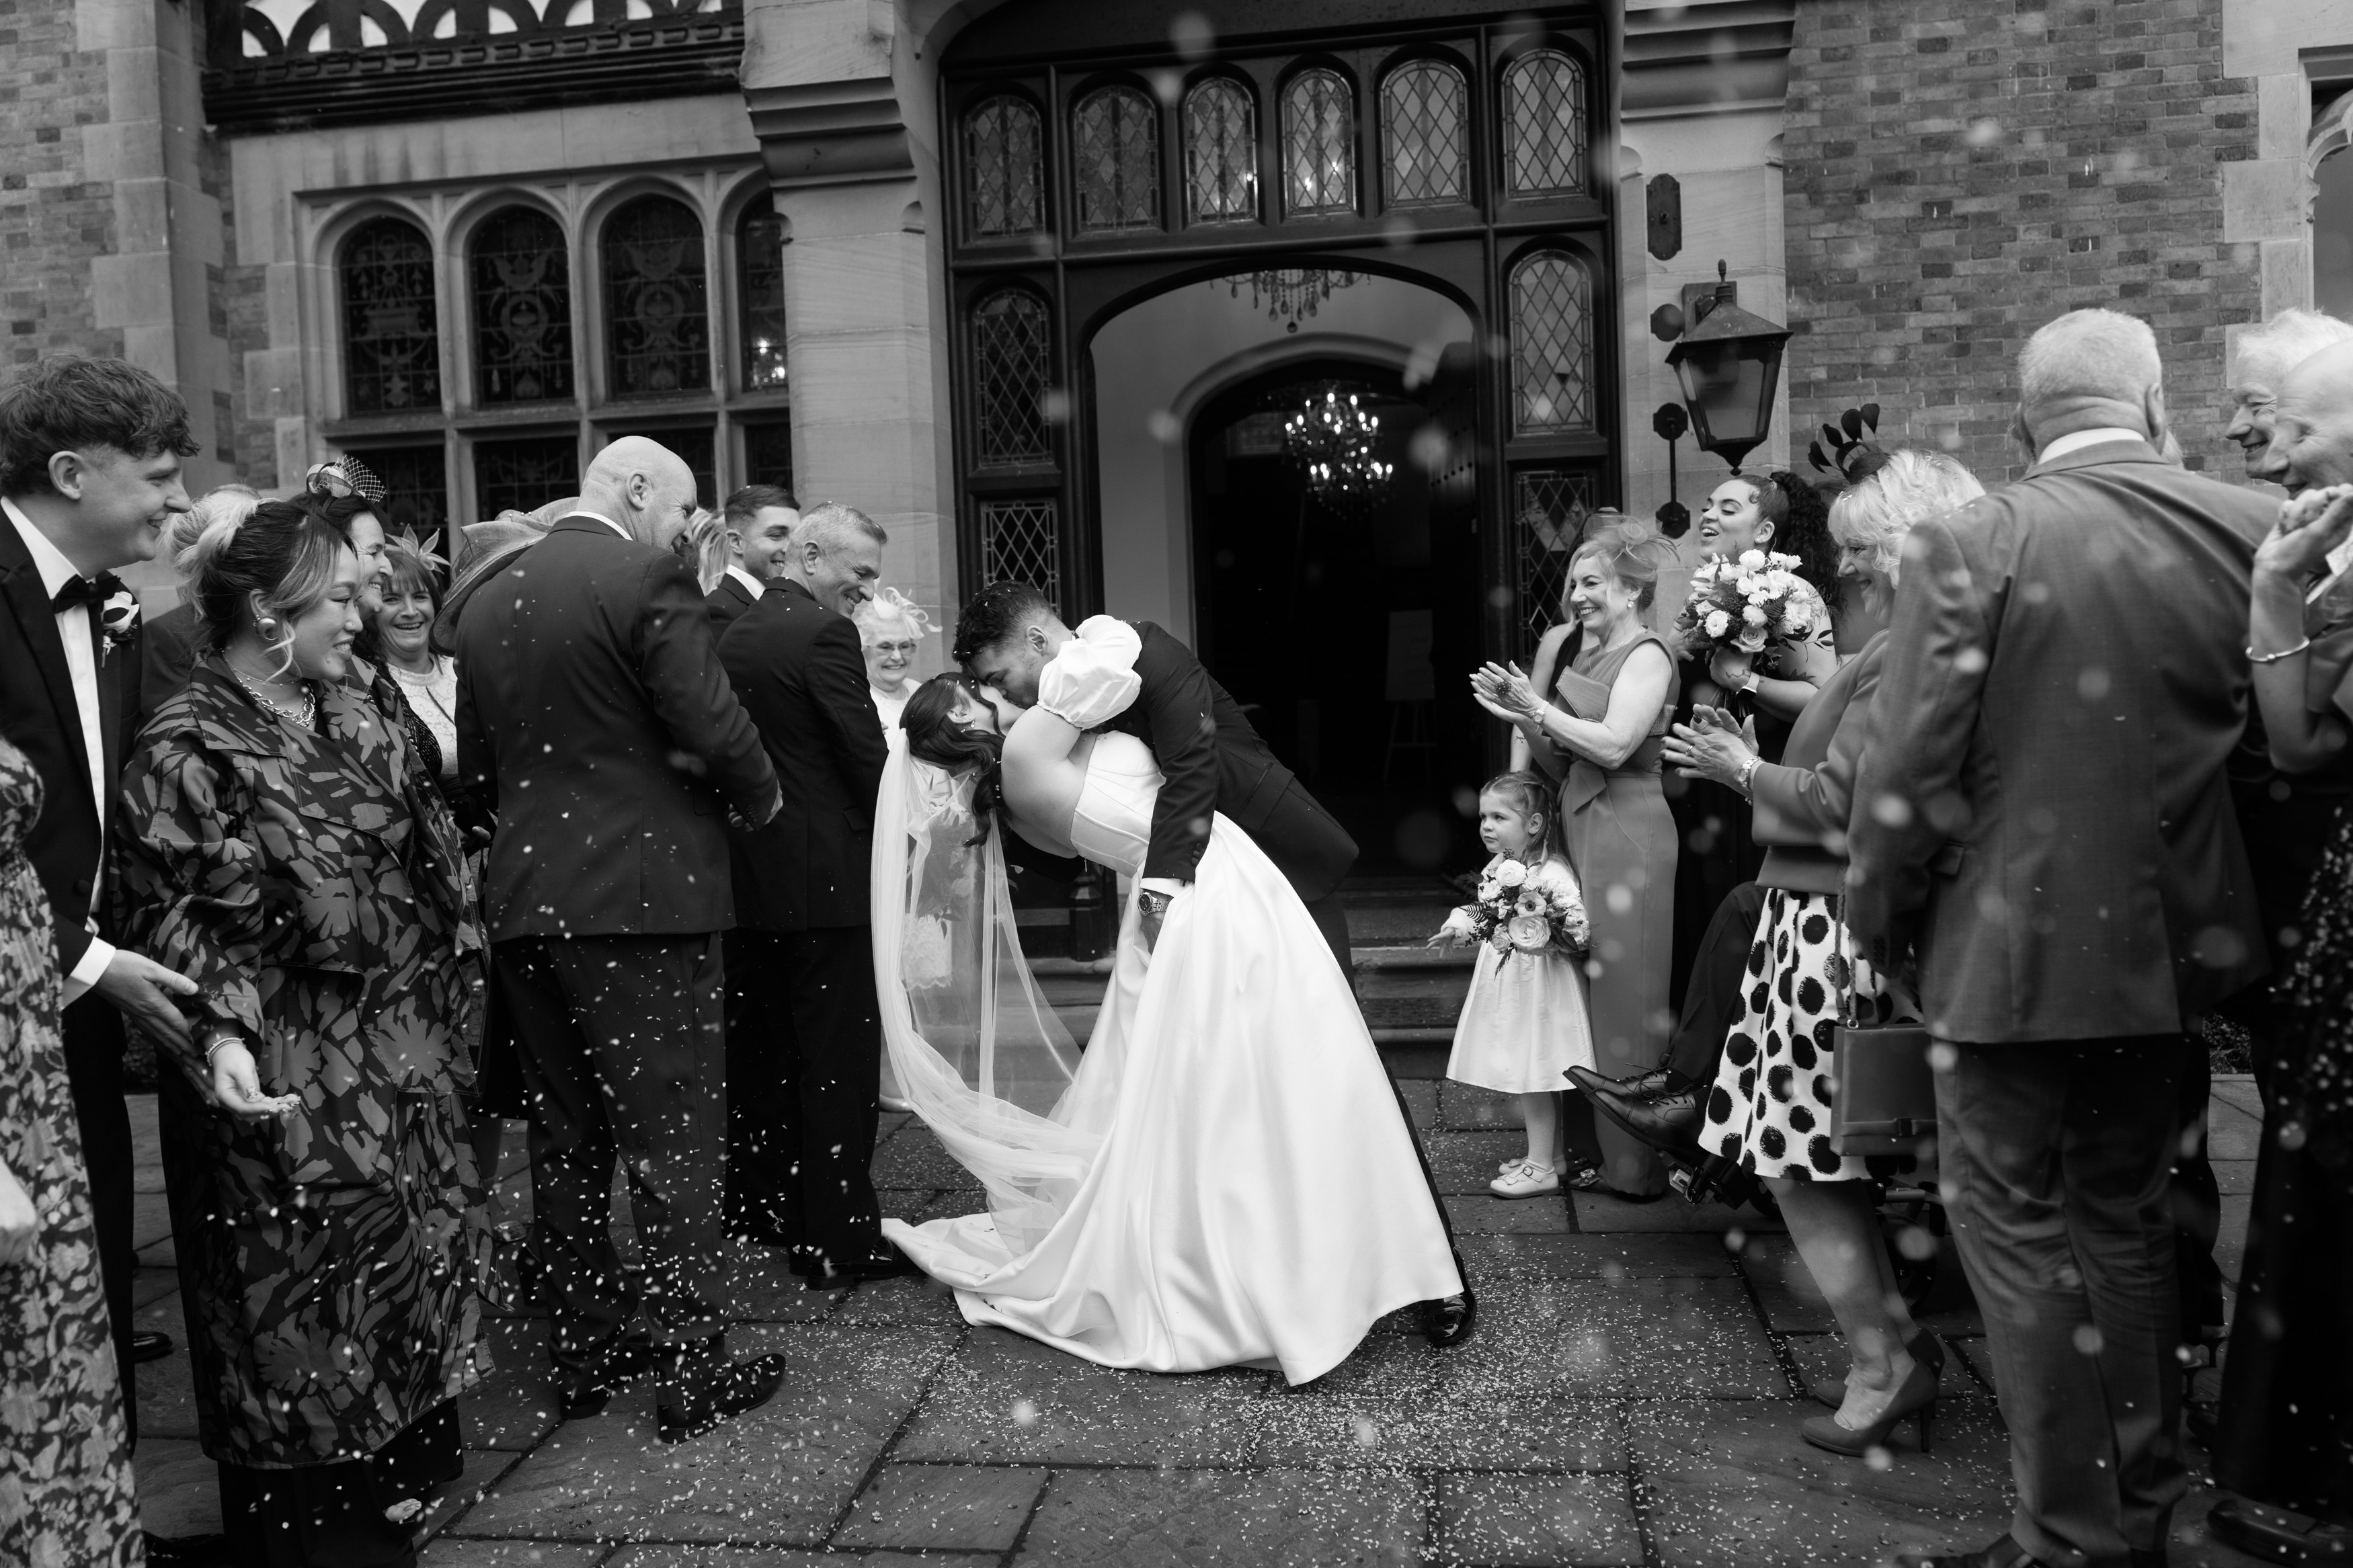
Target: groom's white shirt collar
2076, 440
752, 584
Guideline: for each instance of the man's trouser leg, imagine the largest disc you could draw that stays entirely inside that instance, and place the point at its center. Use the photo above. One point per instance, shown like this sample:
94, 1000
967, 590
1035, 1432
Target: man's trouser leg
761, 1200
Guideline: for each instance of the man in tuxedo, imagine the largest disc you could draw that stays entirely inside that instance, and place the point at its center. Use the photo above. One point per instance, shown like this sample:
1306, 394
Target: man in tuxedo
2044, 805
760, 520
803, 1031
1211, 761
593, 719
89, 476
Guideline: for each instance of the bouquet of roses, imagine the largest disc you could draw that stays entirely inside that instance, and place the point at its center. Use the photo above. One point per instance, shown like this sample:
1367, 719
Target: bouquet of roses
1516, 911
1745, 606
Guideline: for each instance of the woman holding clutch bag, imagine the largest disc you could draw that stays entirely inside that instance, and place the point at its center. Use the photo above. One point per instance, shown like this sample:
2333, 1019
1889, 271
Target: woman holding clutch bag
1601, 736
1769, 1110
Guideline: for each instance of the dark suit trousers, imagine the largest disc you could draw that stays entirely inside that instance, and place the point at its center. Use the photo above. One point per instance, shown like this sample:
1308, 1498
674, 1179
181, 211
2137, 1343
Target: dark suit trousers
618, 1042
1716, 986
2055, 1157
94, 1044
803, 1055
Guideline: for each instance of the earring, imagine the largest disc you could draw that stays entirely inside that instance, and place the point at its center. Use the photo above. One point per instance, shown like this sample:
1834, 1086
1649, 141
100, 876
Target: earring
267, 626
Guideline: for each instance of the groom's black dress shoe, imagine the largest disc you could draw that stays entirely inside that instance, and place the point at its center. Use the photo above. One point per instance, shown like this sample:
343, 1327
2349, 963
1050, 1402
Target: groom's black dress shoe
1448, 1320
583, 1392
1667, 1116
2279, 1534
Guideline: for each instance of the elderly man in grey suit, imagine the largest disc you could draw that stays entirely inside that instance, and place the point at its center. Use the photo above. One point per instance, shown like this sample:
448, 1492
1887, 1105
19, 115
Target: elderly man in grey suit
2042, 806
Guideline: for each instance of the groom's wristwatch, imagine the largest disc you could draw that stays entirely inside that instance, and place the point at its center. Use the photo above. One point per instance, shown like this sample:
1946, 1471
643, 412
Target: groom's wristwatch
1154, 904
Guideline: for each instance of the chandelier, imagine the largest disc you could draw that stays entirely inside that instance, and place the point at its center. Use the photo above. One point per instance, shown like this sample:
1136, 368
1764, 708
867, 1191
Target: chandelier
1334, 441
1290, 293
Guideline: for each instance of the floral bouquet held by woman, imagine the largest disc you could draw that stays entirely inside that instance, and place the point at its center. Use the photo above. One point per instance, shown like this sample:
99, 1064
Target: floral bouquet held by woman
1744, 606
1516, 911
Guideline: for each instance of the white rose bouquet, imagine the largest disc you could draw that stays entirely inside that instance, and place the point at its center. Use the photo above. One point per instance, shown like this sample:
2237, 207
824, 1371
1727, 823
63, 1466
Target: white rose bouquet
1517, 912
1746, 606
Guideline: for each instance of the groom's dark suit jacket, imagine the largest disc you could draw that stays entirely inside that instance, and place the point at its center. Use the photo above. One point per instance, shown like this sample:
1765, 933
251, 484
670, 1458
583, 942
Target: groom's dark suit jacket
1211, 761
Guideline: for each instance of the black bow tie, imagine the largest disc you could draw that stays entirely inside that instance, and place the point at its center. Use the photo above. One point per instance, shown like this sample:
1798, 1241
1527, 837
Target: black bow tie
78, 590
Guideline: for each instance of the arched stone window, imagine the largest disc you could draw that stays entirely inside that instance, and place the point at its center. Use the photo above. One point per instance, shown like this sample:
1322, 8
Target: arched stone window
657, 305
522, 307
1012, 356
1319, 145
1425, 134
392, 354
1220, 153
1552, 344
1004, 168
1544, 125
760, 266
1115, 146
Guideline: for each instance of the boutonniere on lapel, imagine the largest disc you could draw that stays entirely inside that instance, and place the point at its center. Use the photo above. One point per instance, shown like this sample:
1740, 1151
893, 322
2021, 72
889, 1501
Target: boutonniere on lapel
118, 621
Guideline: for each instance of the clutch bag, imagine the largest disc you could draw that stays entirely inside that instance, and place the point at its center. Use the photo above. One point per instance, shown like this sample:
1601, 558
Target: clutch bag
1884, 1098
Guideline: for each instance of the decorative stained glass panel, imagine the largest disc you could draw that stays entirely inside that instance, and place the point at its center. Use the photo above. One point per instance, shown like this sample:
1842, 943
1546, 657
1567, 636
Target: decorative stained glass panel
657, 309
522, 309
1012, 354
1319, 145
1019, 544
768, 454
1004, 168
392, 355
1425, 134
1116, 140
1552, 344
1543, 125
1549, 507
760, 262
417, 486
1220, 153
525, 475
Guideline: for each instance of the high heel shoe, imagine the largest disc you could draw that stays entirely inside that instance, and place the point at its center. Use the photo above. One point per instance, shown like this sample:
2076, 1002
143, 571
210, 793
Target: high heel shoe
1924, 1345
1916, 1399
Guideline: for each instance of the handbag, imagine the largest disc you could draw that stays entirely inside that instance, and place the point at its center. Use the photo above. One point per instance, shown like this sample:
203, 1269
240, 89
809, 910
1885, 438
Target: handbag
1883, 1095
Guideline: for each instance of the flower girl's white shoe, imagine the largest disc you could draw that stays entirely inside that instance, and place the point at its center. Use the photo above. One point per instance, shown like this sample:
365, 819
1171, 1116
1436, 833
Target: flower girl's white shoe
1526, 1179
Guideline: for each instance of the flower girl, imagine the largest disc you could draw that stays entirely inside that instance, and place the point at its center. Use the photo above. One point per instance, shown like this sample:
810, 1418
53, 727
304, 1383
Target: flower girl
1524, 1024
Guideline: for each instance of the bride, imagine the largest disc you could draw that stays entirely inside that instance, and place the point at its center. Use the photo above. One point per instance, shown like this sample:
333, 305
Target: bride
1224, 1178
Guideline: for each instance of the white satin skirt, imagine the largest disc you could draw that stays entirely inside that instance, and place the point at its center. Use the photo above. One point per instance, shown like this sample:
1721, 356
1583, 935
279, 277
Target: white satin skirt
1256, 1200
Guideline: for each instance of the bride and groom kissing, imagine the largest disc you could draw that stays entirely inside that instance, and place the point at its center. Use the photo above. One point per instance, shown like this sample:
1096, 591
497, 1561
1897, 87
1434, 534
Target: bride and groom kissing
1225, 1175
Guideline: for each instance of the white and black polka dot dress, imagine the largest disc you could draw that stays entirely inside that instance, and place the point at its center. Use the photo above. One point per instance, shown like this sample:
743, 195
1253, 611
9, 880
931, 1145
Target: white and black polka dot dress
1770, 1108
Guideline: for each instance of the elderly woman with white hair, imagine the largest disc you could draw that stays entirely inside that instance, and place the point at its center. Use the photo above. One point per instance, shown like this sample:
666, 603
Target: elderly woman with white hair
891, 627
2261, 358
1768, 1109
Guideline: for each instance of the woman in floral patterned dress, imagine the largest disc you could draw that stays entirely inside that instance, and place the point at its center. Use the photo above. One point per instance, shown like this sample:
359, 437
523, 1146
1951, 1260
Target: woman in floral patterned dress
331, 1225
66, 1498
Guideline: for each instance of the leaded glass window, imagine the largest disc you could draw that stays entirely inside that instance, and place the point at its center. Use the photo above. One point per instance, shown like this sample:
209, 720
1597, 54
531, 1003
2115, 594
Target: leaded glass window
1019, 544
392, 354
1319, 145
1012, 351
417, 489
1425, 134
768, 454
1004, 168
1220, 153
1549, 507
1552, 344
657, 309
525, 475
522, 309
760, 262
1543, 125
1115, 145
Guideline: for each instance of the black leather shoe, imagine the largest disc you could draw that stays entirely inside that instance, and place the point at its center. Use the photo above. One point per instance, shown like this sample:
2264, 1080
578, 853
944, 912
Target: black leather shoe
703, 1388
2279, 1534
188, 1551
148, 1344
824, 1274
582, 1393
1668, 1120
1657, 1081
2002, 1553
1448, 1321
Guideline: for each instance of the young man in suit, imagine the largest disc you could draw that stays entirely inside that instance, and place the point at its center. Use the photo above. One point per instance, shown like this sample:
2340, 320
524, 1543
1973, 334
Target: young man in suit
593, 719
2043, 806
760, 519
1211, 761
803, 1030
89, 478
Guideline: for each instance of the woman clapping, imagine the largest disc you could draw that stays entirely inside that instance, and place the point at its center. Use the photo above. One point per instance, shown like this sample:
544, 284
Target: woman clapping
332, 1241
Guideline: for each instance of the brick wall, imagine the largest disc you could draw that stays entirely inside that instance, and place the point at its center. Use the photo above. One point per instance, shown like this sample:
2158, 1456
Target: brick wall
51, 221
1957, 175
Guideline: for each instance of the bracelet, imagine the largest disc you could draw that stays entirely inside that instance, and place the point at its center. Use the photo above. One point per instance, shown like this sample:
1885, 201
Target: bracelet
1747, 773
2254, 657
218, 1042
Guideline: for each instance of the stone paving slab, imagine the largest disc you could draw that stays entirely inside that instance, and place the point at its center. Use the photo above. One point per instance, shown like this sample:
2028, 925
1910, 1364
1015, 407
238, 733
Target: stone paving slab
906, 1303
953, 1508
742, 1557
2235, 1177
2232, 1134
451, 1552
1466, 1161
2238, 1091
914, 1158
1597, 1211
1625, 1255
1467, 1109
781, 1475
1273, 1519
1509, 1217
179, 1488
1586, 1520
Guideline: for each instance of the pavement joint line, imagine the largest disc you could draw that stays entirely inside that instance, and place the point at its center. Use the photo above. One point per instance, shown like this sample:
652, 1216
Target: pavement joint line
1799, 1387
1037, 1505
882, 1455
513, 1459
1643, 1536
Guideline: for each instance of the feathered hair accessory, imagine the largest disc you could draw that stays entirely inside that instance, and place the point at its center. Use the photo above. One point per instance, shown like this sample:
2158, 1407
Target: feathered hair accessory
1854, 455
887, 604
345, 476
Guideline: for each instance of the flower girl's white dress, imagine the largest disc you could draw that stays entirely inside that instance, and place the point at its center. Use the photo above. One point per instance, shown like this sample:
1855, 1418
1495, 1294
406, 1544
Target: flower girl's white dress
1524, 1023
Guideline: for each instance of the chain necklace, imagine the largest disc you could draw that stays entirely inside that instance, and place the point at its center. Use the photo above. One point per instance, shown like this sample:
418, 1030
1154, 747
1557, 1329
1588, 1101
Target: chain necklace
306, 715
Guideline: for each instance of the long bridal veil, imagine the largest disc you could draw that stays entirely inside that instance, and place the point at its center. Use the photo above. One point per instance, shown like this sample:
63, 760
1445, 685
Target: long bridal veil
979, 1055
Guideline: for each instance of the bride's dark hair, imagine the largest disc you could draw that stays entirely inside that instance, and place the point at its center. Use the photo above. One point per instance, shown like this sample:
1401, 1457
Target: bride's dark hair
933, 736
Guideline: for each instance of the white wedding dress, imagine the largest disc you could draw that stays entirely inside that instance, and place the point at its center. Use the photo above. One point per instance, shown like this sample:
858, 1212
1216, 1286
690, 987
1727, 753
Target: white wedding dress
1225, 1179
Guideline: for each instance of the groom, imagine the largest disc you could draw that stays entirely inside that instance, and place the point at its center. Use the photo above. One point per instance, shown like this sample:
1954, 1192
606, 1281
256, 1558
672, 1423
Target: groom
1211, 760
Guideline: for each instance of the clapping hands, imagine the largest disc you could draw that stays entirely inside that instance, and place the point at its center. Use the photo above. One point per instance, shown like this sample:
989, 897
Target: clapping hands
1505, 690
1711, 746
2310, 525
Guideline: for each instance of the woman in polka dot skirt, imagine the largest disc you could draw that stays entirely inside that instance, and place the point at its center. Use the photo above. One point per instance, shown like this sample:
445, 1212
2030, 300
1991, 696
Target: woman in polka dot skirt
1771, 1107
